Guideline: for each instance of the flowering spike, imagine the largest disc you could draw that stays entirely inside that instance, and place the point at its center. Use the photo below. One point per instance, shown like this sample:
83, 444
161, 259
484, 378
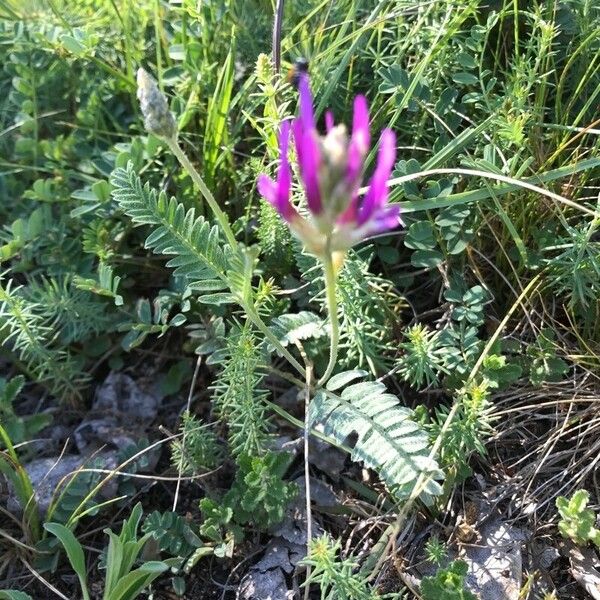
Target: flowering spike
331, 170
158, 119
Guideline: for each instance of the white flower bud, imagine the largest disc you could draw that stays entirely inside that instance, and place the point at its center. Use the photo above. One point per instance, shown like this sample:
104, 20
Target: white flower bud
158, 119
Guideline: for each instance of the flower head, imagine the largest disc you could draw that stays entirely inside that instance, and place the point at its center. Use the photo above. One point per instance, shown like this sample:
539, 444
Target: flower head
158, 119
331, 169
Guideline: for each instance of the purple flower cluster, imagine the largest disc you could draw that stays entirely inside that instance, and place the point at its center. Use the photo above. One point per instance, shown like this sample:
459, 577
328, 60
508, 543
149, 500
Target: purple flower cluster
331, 169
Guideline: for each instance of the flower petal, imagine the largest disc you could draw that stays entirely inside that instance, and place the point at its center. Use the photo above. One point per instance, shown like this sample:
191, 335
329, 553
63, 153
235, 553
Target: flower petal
267, 188
350, 214
360, 140
284, 176
278, 193
307, 115
329, 123
284, 140
385, 219
377, 194
360, 124
309, 157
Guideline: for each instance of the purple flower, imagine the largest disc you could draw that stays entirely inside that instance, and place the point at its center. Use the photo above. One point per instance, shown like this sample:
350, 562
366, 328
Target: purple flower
331, 168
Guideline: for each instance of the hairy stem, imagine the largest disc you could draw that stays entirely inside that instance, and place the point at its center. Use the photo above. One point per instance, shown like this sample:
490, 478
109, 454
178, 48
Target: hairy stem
330, 292
206, 193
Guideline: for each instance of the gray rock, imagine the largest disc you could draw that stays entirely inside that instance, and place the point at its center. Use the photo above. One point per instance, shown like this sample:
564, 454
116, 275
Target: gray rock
282, 554
544, 555
47, 475
326, 458
120, 394
119, 415
585, 567
495, 562
264, 586
266, 580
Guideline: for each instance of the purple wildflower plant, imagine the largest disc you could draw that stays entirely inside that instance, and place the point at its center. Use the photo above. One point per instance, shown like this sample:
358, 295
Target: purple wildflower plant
331, 168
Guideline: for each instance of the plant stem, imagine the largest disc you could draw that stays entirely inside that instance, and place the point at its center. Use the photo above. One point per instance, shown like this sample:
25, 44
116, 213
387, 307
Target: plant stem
226, 227
158, 42
277, 21
307, 473
185, 432
253, 315
423, 478
330, 292
206, 193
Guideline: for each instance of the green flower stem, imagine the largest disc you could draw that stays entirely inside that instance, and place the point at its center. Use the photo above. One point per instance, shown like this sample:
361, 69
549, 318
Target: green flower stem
330, 292
256, 319
223, 221
206, 193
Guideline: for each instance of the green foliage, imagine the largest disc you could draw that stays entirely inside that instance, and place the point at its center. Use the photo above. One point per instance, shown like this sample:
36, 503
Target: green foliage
74, 553
575, 270
121, 581
447, 584
577, 522
388, 439
294, 328
498, 372
69, 309
74, 494
508, 89
259, 495
199, 254
275, 240
467, 431
14, 472
467, 305
150, 319
237, 395
219, 527
19, 429
447, 236
73, 497
172, 532
367, 306
132, 459
422, 360
197, 449
435, 550
544, 364
106, 284
24, 329
23, 231
337, 577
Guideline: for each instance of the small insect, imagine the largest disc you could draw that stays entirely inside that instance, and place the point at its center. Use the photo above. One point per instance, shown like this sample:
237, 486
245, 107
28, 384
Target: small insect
300, 66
